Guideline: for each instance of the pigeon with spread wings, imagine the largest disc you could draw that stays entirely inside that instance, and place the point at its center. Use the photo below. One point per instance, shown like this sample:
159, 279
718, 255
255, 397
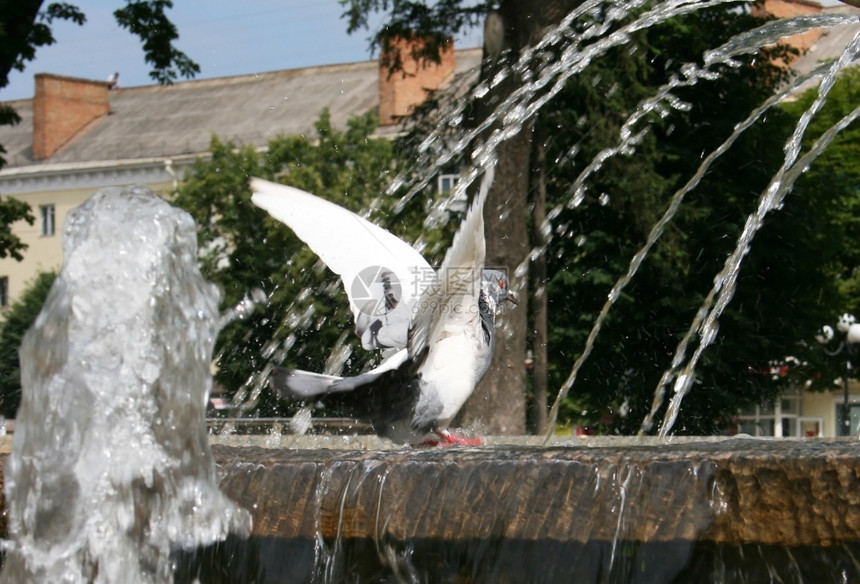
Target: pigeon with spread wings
437, 327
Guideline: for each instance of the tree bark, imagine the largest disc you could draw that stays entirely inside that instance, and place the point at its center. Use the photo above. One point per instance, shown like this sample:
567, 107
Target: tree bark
498, 405
537, 284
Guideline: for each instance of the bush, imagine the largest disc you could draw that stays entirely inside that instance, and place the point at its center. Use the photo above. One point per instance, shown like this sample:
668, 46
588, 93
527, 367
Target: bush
16, 320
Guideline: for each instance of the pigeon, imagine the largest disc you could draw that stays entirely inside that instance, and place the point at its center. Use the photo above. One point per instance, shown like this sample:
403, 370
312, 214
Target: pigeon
435, 328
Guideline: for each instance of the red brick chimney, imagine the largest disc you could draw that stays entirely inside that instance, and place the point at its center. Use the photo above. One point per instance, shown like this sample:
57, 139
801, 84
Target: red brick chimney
62, 108
400, 92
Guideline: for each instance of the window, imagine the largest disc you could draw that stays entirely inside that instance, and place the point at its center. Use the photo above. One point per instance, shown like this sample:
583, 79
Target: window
447, 182
4, 290
781, 417
853, 419
811, 427
47, 213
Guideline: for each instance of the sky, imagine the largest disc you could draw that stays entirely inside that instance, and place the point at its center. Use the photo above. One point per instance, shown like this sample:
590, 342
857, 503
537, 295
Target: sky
225, 37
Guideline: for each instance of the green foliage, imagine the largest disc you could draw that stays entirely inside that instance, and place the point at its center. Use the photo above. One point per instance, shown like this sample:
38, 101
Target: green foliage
836, 174
16, 320
147, 20
24, 28
12, 210
434, 23
242, 248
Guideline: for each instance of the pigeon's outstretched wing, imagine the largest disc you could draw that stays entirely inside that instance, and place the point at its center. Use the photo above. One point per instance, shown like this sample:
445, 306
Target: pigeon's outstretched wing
450, 303
382, 274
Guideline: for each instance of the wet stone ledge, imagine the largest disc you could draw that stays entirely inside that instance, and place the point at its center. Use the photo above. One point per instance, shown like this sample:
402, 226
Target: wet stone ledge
771, 492
338, 509
354, 509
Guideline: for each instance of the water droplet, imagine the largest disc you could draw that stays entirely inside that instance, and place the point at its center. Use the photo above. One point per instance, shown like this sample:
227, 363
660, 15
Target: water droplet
521, 270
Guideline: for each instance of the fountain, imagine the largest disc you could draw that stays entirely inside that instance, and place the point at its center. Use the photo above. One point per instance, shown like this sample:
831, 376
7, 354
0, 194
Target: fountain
111, 467
110, 481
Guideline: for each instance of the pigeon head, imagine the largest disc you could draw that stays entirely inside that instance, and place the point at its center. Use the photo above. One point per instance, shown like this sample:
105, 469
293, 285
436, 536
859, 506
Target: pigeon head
495, 285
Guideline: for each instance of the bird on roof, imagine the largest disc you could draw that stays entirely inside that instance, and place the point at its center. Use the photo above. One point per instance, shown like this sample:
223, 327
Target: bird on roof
436, 328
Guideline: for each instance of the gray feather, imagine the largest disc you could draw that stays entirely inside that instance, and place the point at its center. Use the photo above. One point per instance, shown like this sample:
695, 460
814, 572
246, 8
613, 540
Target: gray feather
294, 384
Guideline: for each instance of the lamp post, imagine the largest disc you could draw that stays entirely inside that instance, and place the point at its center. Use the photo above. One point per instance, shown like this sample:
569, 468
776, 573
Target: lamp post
848, 325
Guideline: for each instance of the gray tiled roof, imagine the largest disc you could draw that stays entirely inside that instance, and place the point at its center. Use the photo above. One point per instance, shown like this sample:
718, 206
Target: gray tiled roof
164, 121
831, 43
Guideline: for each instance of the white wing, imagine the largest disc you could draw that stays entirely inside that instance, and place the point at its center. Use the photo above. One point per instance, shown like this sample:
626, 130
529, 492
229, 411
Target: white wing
450, 305
382, 274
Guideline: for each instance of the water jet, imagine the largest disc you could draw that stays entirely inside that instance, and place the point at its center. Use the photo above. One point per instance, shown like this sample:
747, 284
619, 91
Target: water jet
111, 467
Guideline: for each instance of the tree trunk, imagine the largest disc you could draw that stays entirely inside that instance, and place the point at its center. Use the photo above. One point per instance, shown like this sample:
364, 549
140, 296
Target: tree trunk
498, 405
537, 284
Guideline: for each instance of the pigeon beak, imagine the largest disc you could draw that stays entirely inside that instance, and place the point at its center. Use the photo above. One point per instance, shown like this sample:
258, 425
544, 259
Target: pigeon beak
512, 297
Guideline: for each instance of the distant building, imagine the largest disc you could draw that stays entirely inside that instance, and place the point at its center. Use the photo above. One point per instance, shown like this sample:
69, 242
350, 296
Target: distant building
815, 45
76, 136
799, 413
790, 9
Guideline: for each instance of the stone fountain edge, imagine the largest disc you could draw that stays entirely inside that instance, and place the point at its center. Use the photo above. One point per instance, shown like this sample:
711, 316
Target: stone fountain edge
739, 490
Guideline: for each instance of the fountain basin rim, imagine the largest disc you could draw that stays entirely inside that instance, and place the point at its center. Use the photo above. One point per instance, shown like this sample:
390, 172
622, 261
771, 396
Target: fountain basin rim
727, 491
370, 442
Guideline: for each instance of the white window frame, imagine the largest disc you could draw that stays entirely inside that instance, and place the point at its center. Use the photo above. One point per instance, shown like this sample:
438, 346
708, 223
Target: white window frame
819, 423
451, 179
771, 420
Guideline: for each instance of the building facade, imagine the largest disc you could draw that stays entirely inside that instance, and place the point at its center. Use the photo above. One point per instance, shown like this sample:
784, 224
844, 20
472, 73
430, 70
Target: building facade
77, 136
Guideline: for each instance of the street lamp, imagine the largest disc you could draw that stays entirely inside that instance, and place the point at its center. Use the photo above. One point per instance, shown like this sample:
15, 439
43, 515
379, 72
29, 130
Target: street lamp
848, 325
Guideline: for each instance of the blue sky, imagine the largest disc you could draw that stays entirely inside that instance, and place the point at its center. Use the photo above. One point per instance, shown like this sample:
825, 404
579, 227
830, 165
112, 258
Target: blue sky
225, 37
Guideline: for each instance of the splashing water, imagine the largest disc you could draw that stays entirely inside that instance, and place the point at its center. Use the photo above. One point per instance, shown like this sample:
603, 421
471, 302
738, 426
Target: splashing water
743, 43
524, 103
563, 52
748, 42
706, 322
111, 465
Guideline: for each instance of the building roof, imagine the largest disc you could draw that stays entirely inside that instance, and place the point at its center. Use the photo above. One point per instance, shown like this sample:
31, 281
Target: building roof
168, 121
832, 41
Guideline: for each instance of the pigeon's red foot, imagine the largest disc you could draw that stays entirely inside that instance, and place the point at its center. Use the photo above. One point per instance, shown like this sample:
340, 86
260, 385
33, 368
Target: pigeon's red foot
445, 438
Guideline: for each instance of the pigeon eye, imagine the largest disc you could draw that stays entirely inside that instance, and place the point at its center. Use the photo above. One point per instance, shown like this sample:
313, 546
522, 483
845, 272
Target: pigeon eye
502, 284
